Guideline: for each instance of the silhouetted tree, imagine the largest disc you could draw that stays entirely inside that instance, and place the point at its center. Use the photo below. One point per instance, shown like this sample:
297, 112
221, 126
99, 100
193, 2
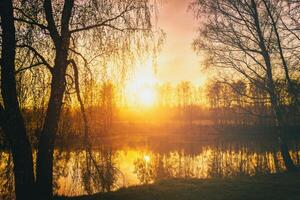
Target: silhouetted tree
12, 122
238, 37
51, 32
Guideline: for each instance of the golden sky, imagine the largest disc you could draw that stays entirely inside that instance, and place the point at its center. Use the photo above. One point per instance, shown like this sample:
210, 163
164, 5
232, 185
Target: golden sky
178, 61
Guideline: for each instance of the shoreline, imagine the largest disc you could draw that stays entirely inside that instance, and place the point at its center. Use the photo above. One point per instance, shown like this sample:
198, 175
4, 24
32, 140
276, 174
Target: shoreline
260, 187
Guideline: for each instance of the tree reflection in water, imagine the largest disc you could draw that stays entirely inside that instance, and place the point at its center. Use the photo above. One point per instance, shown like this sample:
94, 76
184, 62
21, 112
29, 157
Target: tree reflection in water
212, 161
75, 172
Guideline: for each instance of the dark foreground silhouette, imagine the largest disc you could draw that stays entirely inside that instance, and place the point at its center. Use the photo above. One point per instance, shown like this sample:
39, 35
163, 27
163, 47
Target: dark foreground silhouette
278, 187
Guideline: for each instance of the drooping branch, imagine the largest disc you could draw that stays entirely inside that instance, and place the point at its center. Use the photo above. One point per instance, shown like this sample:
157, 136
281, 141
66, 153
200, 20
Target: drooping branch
43, 60
83, 112
77, 88
107, 22
29, 67
29, 19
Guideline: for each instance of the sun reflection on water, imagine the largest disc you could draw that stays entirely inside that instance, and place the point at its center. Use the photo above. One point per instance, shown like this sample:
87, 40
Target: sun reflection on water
139, 165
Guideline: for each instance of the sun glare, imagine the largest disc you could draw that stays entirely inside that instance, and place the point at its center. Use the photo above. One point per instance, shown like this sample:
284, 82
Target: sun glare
147, 158
146, 96
141, 88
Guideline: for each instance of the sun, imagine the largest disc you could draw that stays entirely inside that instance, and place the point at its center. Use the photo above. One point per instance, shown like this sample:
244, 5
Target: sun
141, 88
147, 96
146, 158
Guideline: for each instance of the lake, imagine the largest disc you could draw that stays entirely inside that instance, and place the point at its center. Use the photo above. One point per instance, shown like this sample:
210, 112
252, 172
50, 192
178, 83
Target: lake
108, 168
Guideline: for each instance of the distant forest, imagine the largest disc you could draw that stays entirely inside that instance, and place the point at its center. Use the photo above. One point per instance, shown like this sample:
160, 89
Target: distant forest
233, 104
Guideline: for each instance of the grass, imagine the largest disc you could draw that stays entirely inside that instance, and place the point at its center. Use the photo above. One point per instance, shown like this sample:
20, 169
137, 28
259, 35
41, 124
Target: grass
284, 186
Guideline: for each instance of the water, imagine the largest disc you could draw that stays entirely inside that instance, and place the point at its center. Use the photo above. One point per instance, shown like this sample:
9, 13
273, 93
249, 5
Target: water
75, 171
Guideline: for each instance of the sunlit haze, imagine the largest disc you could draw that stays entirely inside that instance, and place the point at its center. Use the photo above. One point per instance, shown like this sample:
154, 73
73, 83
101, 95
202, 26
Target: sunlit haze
176, 62
140, 88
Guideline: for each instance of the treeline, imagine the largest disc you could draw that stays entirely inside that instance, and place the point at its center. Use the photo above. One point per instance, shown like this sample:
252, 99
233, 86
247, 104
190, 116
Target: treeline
217, 103
235, 104
242, 103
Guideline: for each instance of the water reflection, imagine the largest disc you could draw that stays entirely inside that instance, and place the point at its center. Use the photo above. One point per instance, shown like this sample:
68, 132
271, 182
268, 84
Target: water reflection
77, 172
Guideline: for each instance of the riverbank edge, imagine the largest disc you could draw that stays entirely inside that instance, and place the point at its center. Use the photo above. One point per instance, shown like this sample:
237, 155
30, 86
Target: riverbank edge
275, 186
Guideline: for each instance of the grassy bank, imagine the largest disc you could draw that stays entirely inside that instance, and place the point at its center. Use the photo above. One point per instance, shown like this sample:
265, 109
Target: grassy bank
276, 187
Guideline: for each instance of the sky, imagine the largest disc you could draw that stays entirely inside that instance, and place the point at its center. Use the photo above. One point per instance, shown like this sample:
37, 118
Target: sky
178, 61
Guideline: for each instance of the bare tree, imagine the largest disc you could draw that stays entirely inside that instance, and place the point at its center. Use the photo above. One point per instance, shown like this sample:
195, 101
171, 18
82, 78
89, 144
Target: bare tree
274, 10
238, 37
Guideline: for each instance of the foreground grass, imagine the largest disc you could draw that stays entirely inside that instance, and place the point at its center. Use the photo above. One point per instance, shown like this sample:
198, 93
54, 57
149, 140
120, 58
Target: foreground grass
279, 187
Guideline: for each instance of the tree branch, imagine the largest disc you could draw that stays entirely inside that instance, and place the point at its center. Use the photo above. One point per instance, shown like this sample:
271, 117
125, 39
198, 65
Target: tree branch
38, 55
29, 67
103, 23
50, 20
31, 21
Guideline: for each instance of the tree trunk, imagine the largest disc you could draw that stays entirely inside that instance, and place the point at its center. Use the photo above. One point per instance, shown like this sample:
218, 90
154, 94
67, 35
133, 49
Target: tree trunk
44, 168
22, 161
288, 162
12, 122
